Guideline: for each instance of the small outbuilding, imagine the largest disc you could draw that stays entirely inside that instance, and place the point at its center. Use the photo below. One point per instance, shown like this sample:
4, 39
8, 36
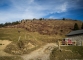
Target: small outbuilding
75, 38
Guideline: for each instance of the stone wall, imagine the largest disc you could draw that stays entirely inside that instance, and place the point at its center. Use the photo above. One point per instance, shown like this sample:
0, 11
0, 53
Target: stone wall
77, 38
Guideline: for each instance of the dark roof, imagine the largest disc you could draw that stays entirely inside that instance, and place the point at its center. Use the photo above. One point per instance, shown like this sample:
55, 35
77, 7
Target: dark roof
76, 32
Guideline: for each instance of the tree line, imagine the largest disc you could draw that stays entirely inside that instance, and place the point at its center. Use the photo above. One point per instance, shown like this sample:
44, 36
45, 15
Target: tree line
9, 24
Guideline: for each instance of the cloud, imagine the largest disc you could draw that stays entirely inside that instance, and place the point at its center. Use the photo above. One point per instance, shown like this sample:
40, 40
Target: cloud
60, 8
24, 9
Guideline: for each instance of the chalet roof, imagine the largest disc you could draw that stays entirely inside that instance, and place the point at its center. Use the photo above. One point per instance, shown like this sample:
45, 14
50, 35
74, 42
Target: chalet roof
76, 32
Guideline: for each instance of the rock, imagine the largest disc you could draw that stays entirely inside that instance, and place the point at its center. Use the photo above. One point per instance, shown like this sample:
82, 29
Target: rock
30, 46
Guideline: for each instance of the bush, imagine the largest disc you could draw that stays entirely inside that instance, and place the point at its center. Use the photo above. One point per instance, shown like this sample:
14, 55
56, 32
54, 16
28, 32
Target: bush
63, 19
1, 44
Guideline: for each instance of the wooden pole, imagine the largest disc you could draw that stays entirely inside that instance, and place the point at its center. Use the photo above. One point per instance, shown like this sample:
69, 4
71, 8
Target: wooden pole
67, 42
19, 38
59, 45
75, 42
81, 43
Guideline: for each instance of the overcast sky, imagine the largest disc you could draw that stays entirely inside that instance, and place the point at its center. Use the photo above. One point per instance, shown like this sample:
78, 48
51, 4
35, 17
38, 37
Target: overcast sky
13, 10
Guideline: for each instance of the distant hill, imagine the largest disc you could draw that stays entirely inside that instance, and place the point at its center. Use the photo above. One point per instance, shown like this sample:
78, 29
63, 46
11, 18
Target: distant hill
48, 26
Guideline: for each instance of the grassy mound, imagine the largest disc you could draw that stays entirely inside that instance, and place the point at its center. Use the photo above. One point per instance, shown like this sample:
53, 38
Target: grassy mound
22, 47
68, 52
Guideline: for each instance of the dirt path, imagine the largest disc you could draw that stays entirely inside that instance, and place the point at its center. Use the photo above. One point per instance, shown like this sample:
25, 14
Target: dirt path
4, 43
42, 53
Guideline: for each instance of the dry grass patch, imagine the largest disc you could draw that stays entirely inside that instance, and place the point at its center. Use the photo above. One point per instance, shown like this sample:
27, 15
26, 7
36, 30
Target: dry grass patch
68, 52
10, 58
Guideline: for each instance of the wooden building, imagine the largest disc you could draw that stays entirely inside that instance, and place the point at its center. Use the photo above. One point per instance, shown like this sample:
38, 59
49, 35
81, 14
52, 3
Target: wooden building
75, 38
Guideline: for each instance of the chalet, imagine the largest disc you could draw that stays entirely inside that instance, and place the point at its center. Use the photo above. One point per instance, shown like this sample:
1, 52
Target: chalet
75, 38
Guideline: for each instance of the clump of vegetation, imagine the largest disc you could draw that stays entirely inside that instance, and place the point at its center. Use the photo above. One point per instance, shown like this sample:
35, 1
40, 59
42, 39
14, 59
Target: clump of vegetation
67, 52
1, 44
40, 19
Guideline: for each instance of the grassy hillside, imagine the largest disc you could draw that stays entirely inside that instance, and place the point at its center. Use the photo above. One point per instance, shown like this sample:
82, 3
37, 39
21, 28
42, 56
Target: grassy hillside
13, 35
27, 39
68, 52
49, 27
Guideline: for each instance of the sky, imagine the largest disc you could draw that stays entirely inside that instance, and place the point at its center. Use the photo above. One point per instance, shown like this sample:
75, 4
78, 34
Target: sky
13, 10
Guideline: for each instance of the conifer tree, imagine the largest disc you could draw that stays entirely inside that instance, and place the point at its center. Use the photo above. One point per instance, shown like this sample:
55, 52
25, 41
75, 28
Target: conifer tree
82, 26
76, 26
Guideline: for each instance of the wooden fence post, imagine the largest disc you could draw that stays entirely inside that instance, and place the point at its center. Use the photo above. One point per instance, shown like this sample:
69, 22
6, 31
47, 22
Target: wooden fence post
19, 38
75, 43
59, 45
81, 43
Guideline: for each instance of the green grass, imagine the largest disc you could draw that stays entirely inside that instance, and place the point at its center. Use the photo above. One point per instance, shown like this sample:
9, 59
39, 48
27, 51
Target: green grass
13, 35
68, 52
10, 58
75, 49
